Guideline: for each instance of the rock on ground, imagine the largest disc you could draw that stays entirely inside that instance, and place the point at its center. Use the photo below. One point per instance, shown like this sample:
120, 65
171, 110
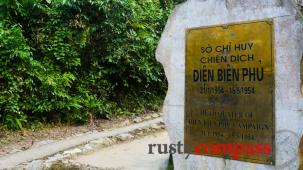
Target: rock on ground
125, 136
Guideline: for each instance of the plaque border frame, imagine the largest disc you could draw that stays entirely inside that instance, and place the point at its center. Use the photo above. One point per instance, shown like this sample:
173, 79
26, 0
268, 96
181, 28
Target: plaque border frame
271, 22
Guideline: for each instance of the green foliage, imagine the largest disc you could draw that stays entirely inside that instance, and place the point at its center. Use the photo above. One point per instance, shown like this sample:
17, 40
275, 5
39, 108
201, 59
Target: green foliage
64, 60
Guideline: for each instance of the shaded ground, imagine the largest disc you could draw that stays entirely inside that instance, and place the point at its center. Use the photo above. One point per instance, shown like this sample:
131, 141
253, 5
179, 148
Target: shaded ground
14, 141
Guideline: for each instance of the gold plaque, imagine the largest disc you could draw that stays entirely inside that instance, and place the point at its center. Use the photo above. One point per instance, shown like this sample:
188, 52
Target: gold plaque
229, 91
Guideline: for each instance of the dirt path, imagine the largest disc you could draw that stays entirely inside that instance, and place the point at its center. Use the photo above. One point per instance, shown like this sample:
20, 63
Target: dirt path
15, 141
129, 156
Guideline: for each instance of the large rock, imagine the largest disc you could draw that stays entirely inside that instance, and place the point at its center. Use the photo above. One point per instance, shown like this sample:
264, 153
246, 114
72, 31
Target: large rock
288, 53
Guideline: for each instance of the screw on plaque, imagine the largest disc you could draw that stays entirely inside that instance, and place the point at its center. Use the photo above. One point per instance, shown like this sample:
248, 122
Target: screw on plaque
225, 26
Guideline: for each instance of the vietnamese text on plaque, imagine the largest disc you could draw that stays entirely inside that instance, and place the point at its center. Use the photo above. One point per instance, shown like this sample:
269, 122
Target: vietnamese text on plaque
229, 89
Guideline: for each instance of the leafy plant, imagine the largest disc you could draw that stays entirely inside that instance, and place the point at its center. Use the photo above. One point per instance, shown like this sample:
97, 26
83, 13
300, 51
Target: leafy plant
64, 60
